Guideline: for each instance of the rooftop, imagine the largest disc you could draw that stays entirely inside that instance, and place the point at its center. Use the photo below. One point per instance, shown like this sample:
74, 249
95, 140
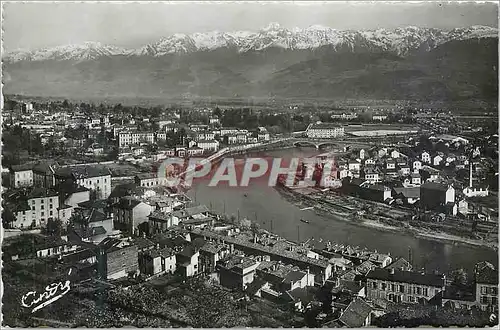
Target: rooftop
407, 277
356, 313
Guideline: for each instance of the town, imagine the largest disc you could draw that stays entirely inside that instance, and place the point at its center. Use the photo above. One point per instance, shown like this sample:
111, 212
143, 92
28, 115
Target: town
81, 196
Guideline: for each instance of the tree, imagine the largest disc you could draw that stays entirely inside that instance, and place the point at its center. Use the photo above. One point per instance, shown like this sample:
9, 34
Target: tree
459, 277
54, 227
210, 306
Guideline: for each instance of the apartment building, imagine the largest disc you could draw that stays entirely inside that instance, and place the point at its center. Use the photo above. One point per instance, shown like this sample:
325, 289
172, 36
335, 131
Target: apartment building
403, 286
21, 176
97, 179
324, 131
34, 208
129, 138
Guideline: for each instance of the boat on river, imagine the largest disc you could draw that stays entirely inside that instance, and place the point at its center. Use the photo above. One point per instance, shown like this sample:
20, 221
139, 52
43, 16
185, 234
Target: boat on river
304, 221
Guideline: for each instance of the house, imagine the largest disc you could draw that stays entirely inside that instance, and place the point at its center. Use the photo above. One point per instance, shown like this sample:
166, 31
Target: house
362, 189
130, 214
52, 246
362, 154
357, 314
354, 166
380, 259
370, 161
33, 208
486, 282
230, 139
403, 286
210, 254
188, 261
437, 160
263, 136
97, 179
21, 176
390, 165
160, 222
394, 154
149, 179
417, 166
156, 262
195, 151
324, 131
404, 170
434, 195
425, 157
300, 298
237, 272
416, 179
344, 173
120, 258
372, 176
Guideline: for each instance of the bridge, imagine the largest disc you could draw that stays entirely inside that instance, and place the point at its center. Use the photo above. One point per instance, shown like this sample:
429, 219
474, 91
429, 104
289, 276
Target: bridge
316, 144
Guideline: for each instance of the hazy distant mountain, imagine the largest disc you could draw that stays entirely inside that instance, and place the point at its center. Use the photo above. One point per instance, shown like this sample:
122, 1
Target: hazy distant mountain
317, 61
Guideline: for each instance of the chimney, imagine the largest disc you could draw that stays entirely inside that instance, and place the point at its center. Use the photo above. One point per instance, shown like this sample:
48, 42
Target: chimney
470, 174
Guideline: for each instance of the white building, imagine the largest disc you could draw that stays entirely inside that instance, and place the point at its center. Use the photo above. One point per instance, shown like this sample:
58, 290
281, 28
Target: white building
208, 145
437, 160
97, 179
417, 166
324, 131
128, 138
35, 209
425, 157
21, 176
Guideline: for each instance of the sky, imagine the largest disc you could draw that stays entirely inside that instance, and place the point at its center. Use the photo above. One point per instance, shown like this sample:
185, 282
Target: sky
48, 24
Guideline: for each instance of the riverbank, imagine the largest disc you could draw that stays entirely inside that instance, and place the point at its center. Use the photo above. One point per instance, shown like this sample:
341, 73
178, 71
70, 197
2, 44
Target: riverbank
293, 196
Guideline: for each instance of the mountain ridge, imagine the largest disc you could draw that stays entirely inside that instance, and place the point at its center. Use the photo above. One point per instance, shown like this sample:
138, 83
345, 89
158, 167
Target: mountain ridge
400, 41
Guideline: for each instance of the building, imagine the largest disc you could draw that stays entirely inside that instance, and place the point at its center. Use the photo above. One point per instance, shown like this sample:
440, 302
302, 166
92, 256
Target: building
416, 179
120, 258
35, 208
475, 190
208, 145
44, 174
417, 166
211, 253
434, 195
149, 179
372, 176
134, 137
21, 176
425, 157
486, 286
188, 261
324, 131
357, 314
97, 179
237, 272
160, 222
130, 214
156, 262
403, 286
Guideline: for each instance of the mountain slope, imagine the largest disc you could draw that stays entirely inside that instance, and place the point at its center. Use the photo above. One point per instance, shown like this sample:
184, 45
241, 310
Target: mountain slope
462, 68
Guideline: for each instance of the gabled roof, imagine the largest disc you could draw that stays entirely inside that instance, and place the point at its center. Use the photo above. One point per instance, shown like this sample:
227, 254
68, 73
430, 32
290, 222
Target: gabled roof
400, 264
356, 313
410, 192
96, 216
487, 275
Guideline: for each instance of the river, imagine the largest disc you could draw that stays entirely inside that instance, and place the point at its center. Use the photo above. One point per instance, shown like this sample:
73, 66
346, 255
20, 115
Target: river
266, 206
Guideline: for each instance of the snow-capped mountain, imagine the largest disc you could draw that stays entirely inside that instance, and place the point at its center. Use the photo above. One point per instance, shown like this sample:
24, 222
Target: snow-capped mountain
83, 52
400, 41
